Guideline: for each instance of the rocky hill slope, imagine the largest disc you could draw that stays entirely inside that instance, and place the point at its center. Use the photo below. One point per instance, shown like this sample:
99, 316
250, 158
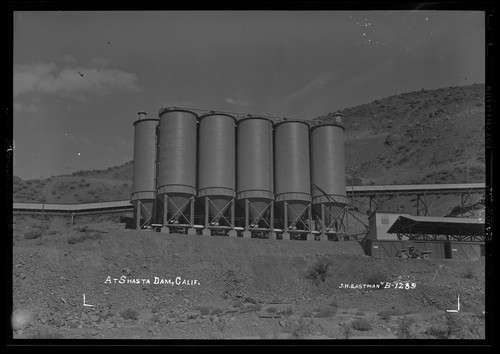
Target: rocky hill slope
245, 288
427, 136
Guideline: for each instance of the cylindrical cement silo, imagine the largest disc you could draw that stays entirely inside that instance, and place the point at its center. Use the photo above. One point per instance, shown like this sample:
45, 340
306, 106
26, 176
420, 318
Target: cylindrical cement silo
328, 183
217, 169
143, 184
292, 174
177, 166
255, 175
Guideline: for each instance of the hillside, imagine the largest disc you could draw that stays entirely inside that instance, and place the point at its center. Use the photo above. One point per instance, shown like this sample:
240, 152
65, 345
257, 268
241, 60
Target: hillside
245, 288
427, 136
114, 183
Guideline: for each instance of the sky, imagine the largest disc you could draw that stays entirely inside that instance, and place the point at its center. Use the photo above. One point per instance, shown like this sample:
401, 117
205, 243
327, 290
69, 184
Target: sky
79, 78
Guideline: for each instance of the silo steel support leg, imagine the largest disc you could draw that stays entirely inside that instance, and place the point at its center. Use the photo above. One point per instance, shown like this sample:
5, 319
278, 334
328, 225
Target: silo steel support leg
232, 213
206, 212
323, 236
273, 234
165, 210
246, 232
310, 235
232, 232
191, 212
286, 234
191, 230
285, 216
137, 215
246, 215
206, 231
309, 210
346, 222
165, 228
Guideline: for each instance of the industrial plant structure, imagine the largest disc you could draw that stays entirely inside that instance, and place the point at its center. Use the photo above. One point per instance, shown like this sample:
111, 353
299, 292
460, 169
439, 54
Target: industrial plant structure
215, 173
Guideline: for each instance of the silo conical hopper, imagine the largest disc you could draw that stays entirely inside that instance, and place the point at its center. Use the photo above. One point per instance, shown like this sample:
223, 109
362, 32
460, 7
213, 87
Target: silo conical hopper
177, 165
143, 183
217, 167
255, 175
179, 205
143, 212
218, 206
257, 210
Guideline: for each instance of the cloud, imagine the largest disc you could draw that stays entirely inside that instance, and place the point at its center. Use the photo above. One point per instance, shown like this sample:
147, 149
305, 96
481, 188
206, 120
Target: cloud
71, 81
79, 140
100, 61
30, 108
237, 103
317, 84
68, 59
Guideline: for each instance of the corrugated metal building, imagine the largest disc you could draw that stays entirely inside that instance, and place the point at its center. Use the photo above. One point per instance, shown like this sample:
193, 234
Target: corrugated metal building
379, 223
451, 238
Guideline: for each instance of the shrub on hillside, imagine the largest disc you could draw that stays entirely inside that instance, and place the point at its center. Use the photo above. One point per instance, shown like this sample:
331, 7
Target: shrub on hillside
386, 314
451, 327
216, 311
361, 324
318, 270
347, 329
287, 311
32, 234
253, 307
404, 329
325, 312
82, 228
84, 237
300, 328
377, 277
129, 314
204, 310
333, 303
469, 272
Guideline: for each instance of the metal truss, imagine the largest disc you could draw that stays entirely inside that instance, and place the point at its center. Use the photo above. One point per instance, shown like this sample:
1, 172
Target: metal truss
177, 212
220, 213
298, 219
260, 216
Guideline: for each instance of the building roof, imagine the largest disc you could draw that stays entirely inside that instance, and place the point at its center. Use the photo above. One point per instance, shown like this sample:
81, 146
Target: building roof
437, 226
386, 212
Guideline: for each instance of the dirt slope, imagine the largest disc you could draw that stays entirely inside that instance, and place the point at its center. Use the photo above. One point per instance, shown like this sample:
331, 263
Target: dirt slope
237, 281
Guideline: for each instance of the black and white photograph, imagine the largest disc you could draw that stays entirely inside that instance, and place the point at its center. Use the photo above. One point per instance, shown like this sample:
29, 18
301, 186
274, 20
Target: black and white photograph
258, 176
